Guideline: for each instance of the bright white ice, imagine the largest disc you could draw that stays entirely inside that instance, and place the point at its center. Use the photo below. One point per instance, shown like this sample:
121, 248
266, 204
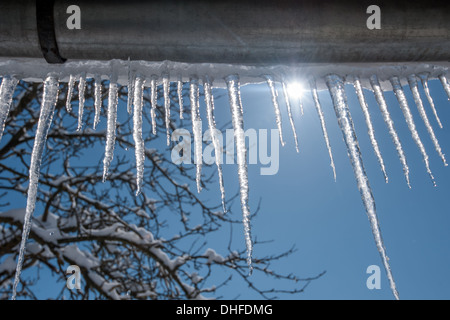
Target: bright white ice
81, 91
370, 129
97, 100
180, 96
166, 90
398, 90
415, 91
424, 79
312, 84
50, 96
110, 128
445, 84
291, 118
6, 94
153, 101
390, 124
276, 107
336, 87
137, 132
70, 86
238, 126
209, 100
196, 129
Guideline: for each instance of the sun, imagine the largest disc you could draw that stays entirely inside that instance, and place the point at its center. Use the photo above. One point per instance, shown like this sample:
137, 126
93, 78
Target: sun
295, 90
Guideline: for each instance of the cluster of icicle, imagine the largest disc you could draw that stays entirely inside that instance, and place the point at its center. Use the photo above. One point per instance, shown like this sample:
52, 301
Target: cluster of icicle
136, 85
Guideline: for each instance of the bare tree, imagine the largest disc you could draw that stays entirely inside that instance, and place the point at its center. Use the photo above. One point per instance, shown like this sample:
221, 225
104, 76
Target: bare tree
126, 246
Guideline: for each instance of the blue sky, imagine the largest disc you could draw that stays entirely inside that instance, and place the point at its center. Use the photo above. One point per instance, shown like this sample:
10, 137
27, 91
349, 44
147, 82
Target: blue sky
302, 205
326, 221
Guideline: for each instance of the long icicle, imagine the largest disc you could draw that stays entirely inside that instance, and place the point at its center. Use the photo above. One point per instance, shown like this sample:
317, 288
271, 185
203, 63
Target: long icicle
312, 84
81, 91
370, 129
137, 132
209, 100
70, 86
97, 100
180, 96
291, 118
110, 127
424, 79
153, 102
276, 106
197, 129
390, 124
413, 86
445, 84
238, 126
50, 96
166, 90
6, 95
336, 87
400, 94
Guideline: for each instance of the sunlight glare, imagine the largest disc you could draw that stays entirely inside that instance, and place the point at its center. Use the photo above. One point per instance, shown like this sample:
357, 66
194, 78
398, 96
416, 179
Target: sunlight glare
295, 90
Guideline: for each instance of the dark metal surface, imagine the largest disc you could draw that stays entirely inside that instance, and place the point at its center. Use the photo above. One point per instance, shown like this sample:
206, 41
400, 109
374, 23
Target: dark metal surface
244, 32
45, 26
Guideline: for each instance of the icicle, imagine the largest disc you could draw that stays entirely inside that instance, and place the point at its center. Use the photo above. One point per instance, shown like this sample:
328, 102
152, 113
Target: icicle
153, 102
291, 119
6, 95
390, 124
130, 87
50, 96
110, 127
81, 90
166, 90
70, 86
370, 129
97, 99
197, 129
180, 96
209, 99
336, 87
276, 107
312, 84
424, 80
445, 84
413, 85
398, 90
238, 126
137, 132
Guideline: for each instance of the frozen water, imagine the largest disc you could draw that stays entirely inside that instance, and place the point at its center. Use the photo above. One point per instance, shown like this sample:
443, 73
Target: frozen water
166, 90
276, 107
196, 129
110, 127
137, 132
209, 100
6, 95
312, 84
390, 124
291, 118
238, 126
415, 91
398, 90
370, 129
81, 92
336, 87
51, 87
